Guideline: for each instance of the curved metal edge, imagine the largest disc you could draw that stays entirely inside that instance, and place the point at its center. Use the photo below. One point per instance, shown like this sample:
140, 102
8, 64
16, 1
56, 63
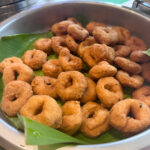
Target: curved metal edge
130, 141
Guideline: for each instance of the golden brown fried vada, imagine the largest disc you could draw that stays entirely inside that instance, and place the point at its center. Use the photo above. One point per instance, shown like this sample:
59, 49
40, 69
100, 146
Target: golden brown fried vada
69, 62
91, 25
71, 117
43, 44
52, 68
146, 71
105, 35
77, 32
34, 58
8, 61
74, 20
98, 52
128, 65
143, 94
71, 44
71, 85
16, 94
139, 57
60, 28
95, 120
43, 109
102, 69
17, 71
122, 50
44, 85
90, 92
123, 33
109, 91
134, 81
58, 43
136, 43
130, 116
87, 42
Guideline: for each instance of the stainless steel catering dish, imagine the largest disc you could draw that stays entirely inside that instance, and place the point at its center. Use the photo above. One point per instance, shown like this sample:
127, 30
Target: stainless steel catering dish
39, 19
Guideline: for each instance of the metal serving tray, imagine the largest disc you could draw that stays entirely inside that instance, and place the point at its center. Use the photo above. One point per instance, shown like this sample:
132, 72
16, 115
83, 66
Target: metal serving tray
39, 19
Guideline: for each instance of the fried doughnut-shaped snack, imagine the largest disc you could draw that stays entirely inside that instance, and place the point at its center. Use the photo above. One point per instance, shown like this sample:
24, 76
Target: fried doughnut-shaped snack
109, 91
130, 116
71, 117
52, 68
102, 69
87, 42
134, 81
43, 44
58, 43
122, 50
105, 35
60, 28
77, 32
43, 109
146, 71
143, 94
91, 25
34, 58
71, 85
8, 61
17, 71
123, 33
139, 57
136, 43
98, 52
95, 120
128, 65
69, 62
16, 94
71, 44
43, 85
74, 20
90, 92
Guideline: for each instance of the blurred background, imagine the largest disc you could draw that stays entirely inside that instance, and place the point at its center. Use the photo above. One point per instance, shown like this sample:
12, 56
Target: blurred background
11, 7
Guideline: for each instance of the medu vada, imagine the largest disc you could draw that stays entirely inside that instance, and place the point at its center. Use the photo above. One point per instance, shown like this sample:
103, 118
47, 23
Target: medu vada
16, 94
43, 109
136, 43
95, 120
43, 44
71, 117
143, 94
128, 65
58, 43
130, 116
44, 85
34, 58
71, 85
146, 71
102, 69
109, 91
105, 35
69, 62
134, 81
52, 68
90, 92
139, 57
17, 71
8, 61
122, 50
77, 32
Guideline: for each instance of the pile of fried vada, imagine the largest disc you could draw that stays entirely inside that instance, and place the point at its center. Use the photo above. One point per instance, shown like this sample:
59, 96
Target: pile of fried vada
91, 104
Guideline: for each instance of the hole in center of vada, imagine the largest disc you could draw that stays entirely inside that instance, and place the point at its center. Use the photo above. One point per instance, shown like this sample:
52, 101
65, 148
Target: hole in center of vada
16, 74
69, 82
13, 98
108, 87
91, 115
130, 114
38, 110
